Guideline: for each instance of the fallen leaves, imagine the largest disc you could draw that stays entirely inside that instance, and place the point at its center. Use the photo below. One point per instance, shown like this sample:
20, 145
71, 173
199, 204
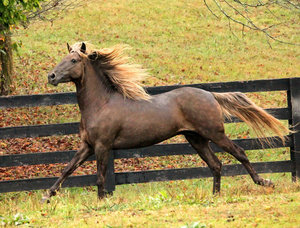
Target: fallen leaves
89, 167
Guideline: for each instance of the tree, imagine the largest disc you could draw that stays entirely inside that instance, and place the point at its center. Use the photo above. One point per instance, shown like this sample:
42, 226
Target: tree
269, 17
21, 12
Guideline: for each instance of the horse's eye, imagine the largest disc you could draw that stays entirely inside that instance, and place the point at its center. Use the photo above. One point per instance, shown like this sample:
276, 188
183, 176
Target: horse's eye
73, 61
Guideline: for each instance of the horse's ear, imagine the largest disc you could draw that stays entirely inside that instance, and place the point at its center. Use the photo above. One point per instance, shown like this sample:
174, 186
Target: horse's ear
69, 48
93, 56
83, 48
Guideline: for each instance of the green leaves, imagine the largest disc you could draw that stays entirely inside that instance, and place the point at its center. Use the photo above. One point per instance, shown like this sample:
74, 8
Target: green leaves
14, 12
5, 2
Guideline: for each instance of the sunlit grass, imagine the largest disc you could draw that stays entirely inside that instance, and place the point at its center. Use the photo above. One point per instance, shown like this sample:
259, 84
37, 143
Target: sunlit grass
166, 204
178, 41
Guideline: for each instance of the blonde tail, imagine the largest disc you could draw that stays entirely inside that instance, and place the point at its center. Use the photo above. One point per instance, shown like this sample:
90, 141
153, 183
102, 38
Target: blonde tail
239, 105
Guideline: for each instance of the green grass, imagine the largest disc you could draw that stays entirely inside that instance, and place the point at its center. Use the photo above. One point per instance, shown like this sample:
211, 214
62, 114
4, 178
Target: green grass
167, 204
180, 42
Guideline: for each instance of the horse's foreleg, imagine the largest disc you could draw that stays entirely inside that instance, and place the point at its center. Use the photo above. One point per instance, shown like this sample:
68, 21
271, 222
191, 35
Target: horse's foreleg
81, 155
102, 156
202, 147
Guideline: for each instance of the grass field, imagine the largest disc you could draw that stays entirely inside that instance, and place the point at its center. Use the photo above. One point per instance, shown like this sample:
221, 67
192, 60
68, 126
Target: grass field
168, 204
180, 42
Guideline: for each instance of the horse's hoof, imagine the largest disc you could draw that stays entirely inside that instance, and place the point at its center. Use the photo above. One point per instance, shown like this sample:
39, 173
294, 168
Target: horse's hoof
45, 199
101, 196
268, 183
104, 194
216, 192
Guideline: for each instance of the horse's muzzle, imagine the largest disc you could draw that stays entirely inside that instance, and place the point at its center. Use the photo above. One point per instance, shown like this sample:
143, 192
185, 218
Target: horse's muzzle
52, 79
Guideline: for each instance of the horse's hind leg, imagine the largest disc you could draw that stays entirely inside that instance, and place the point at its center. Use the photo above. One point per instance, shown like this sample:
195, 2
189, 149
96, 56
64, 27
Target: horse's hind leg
226, 144
201, 145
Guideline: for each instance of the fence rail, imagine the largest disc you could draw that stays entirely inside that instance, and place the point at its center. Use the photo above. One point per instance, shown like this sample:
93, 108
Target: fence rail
73, 128
70, 98
291, 113
151, 151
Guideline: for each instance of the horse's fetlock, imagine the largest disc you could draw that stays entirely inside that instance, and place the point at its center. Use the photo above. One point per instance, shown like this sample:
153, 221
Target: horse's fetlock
268, 183
45, 199
52, 193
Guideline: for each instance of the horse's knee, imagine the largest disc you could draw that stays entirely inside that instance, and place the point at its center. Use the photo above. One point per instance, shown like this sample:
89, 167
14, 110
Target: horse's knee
216, 168
219, 169
100, 181
218, 165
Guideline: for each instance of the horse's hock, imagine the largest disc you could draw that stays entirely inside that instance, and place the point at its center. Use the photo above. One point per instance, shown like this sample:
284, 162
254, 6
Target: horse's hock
291, 113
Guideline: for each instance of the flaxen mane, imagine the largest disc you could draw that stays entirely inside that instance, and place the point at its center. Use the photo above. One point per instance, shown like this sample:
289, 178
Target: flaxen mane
124, 77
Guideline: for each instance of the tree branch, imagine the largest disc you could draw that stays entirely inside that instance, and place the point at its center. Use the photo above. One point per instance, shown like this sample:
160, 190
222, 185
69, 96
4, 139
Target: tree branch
49, 9
239, 13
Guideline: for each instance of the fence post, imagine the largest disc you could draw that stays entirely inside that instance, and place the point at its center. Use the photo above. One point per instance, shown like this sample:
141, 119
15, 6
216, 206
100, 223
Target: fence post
110, 184
295, 110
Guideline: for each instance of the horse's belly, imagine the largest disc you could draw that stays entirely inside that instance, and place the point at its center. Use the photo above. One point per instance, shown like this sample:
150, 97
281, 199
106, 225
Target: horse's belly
147, 123
145, 134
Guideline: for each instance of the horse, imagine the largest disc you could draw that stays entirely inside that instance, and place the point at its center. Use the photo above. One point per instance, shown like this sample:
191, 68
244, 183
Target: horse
117, 113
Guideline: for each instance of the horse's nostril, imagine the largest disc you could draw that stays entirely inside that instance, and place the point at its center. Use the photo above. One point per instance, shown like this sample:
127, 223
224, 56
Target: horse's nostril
52, 76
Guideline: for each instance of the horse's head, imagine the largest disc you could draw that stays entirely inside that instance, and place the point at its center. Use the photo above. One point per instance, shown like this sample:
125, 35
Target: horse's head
71, 68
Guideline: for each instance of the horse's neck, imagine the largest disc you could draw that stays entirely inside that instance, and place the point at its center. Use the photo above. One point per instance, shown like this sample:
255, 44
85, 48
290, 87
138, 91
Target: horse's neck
91, 92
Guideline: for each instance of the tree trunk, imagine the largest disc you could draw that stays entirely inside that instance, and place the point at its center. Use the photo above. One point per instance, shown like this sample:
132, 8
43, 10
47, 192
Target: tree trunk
6, 61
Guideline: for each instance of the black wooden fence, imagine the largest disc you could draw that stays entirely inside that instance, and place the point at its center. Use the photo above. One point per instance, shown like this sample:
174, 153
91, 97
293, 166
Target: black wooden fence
290, 113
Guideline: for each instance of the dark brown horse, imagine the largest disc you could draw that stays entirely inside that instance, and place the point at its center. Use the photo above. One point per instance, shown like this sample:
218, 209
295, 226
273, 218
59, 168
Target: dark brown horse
116, 113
